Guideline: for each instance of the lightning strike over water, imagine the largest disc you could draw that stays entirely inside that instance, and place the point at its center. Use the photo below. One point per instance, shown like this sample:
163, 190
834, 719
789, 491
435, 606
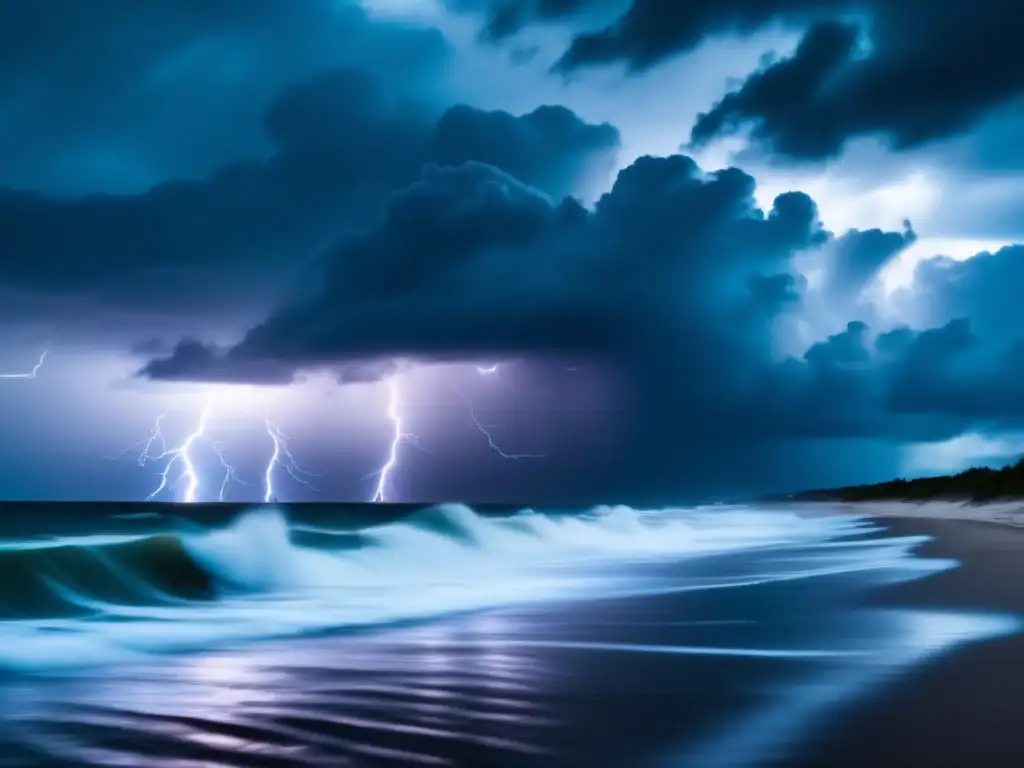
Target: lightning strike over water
179, 455
230, 473
398, 437
156, 434
30, 374
282, 457
485, 430
155, 449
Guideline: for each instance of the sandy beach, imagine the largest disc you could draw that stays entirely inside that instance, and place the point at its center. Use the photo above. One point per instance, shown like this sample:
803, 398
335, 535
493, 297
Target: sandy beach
1009, 513
963, 709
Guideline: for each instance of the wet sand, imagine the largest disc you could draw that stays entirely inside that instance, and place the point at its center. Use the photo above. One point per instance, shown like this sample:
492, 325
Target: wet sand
1009, 512
963, 709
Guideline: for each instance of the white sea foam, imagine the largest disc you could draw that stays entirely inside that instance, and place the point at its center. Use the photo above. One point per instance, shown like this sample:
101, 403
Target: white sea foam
54, 542
445, 560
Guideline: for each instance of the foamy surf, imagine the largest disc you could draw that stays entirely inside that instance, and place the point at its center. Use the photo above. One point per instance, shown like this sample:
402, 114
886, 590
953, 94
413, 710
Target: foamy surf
453, 636
101, 599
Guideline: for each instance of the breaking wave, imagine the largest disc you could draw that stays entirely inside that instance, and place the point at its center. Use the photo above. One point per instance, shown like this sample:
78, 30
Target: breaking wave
69, 601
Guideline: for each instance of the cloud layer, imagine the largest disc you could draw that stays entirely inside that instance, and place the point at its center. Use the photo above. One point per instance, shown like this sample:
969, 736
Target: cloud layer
908, 70
343, 141
326, 207
676, 279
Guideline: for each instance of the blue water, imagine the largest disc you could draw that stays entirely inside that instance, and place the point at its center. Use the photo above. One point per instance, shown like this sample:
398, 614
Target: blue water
719, 636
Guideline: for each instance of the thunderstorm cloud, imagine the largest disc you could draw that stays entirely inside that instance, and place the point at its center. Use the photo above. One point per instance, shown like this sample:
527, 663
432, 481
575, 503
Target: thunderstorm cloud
254, 192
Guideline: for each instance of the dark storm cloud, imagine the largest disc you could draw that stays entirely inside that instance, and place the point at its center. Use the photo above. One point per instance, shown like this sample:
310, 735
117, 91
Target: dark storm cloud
208, 363
986, 288
504, 18
645, 32
823, 49
859, 256
675, 277
966, 366
124, 95
343, 140
910, 70
929, 73
898, 385
397, 229
235, 234
468, 260
650, 31
937, 381
191, 360
955, 373
550, 148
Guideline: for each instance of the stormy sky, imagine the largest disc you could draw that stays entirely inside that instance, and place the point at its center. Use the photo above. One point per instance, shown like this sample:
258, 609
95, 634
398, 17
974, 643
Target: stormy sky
538, 251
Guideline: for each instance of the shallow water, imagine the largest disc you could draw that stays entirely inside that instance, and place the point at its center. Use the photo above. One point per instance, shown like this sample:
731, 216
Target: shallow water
319, 636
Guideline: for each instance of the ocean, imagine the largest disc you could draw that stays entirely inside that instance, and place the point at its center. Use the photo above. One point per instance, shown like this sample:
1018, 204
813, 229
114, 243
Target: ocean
329, 635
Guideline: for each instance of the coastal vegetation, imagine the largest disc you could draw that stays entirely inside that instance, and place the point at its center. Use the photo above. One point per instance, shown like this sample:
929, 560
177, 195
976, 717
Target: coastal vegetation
975, 484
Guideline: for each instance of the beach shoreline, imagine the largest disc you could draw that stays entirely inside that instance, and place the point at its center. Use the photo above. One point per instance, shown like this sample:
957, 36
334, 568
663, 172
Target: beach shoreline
671, 674
1004, 512
962, 708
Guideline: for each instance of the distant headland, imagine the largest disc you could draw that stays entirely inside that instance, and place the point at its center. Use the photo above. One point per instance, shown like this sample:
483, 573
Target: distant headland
976, 484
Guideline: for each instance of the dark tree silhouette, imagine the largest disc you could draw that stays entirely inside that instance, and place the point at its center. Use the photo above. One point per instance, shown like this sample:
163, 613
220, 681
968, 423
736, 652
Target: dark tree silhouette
976, 484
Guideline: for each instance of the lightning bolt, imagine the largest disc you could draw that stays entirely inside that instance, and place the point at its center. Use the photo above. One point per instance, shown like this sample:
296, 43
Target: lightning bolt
282, 457
485, 430
31, 374
230, 473
175, 456
156, 434
398, 437
154, 448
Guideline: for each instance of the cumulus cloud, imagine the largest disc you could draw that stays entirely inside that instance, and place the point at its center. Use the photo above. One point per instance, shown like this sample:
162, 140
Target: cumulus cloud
469, 261
859, 257
384, 224
908, 74
134, 94
505, 18
205, 361
674, 277
907, 70
650, 31
985, 288
642, 32
343, 140
550, 148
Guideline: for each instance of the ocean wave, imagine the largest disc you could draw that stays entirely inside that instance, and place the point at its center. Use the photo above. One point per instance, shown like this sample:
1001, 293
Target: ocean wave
72, 601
